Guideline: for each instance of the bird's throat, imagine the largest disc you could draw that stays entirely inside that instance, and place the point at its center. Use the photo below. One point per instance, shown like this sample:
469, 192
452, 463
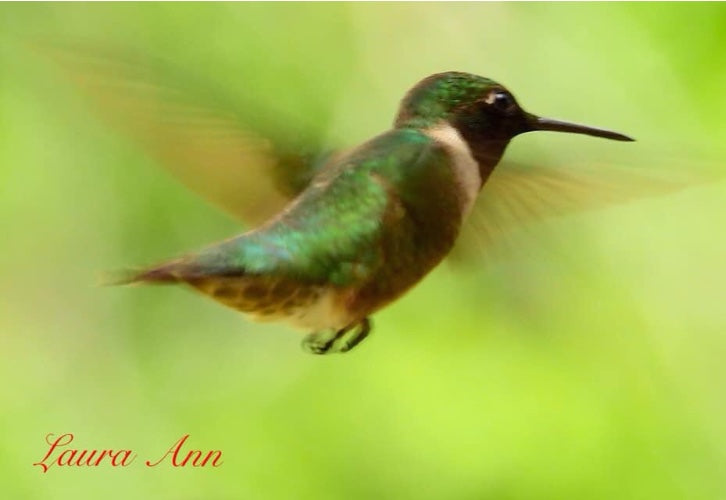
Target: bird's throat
487, 154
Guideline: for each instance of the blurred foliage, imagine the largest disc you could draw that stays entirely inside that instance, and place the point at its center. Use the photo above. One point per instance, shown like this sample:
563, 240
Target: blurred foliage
590, 366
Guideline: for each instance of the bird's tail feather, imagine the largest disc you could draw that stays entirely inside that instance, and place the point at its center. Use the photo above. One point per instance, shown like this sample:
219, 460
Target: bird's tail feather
170, 272
182, 270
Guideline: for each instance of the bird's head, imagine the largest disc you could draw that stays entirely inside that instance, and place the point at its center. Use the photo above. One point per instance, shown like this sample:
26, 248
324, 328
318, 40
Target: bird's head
483, 112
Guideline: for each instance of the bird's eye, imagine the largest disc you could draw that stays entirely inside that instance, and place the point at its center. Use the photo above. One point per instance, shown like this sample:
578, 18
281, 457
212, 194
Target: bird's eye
501, 101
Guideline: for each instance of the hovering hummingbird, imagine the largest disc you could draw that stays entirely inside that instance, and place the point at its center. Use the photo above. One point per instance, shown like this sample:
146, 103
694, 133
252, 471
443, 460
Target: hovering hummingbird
374, 220
340, 235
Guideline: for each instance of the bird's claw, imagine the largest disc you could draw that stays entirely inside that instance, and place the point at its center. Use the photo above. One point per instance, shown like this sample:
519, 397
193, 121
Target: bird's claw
342, 340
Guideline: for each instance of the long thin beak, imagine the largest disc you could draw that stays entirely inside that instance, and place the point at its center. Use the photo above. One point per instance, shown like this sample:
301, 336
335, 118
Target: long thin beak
539, 123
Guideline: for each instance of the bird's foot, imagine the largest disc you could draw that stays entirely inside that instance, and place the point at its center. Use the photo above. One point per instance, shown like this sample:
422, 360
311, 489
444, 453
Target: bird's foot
343, 340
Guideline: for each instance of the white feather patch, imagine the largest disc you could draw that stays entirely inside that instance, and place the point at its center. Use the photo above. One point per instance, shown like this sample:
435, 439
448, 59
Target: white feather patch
464, 166
323, 314
320, 315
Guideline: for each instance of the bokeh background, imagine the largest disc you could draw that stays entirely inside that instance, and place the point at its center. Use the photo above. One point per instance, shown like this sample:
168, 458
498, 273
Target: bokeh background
590, 366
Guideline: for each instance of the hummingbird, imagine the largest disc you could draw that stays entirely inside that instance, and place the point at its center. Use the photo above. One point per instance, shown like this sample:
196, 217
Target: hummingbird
373, 220
337, 235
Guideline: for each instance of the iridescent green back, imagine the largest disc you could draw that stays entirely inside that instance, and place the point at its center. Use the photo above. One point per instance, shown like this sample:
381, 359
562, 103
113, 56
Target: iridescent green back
377, 220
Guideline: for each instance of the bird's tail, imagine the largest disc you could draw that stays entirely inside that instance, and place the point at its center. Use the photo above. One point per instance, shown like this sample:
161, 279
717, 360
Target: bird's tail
167, 273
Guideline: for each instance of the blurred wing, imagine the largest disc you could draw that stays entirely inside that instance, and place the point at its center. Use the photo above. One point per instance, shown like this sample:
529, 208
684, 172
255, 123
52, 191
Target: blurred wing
230, 158
518, 196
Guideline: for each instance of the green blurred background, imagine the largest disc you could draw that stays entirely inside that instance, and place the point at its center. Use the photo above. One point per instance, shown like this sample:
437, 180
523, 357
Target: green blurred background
591, 366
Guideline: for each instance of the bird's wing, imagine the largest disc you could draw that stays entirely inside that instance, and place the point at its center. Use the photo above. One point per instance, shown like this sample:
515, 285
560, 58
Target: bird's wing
517, 196
235, 159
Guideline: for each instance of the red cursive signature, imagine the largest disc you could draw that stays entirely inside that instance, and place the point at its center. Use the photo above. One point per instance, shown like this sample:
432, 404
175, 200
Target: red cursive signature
178, 457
